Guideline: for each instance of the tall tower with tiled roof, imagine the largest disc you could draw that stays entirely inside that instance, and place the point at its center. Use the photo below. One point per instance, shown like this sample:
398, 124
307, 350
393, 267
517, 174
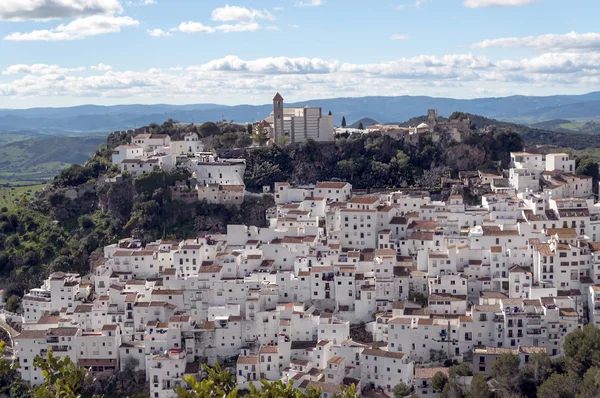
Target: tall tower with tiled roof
277, 117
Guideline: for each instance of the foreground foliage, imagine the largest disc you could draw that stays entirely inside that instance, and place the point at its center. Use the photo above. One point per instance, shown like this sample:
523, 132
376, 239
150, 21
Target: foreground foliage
220, 383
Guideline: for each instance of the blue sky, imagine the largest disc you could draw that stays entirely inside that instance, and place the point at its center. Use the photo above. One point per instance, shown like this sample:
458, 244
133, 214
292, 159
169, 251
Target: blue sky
72, 52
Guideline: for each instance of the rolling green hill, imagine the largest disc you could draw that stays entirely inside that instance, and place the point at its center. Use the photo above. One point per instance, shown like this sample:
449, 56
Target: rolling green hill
40, 159
568, 126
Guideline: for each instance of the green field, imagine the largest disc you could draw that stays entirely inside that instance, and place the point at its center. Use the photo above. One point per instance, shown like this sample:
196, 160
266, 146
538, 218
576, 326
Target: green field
10, 195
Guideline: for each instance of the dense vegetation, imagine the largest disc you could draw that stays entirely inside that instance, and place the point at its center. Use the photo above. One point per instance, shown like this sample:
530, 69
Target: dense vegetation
376, 161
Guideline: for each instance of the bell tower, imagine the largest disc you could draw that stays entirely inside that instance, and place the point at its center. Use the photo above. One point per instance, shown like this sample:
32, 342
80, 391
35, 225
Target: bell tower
277, 117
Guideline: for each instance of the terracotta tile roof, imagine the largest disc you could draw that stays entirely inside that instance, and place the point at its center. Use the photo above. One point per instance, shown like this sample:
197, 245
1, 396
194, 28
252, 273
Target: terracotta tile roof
421, 236
400, 321
382, 353
247, 360
83, 308
109, 327
209, 269
336, 360
173, 292
331, 184
364, 200
420, 225
496, 231
398, 221
564, 233
269, 349
428, 373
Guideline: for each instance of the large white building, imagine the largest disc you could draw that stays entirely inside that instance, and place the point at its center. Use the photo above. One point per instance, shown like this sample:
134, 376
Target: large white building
299, 124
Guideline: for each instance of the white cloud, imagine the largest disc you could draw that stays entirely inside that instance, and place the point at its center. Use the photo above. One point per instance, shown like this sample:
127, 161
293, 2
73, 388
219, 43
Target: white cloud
243, 14
77, 29
278, 9
308, 3
101, 67
158, 32
21, 10
195, 27
571, 41
496, 3
140, 2
399, 37
256, 79
270, 65
293, 26
400, 7
39, 69
239, 27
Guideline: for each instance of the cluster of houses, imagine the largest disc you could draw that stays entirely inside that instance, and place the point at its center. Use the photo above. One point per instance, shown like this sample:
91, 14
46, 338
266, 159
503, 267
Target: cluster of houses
432, 281
218, 181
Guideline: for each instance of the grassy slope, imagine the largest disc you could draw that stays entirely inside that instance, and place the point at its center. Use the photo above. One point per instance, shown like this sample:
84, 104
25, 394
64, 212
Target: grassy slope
11, 195
40, 159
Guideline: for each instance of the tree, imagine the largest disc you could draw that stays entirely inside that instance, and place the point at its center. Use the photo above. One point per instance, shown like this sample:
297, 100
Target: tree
401, 390
86, 222
283, 141
360, 126
438, 382
228, 140
452, 390
591, 384
540, 367
329, 113
344, 121
418, 298
589, 167
218, 383
207, 129
505, 372
8, 374
13, 303
62, 377
460, 370
280, 389
243, 141
261, 136
560, 386
582, 349
479, 388
347, 392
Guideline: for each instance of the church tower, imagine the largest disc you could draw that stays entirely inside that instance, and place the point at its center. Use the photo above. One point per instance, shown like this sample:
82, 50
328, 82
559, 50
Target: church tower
277, 117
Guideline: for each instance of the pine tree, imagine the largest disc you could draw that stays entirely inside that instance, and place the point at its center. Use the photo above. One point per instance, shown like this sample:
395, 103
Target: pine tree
343, 121
360, 126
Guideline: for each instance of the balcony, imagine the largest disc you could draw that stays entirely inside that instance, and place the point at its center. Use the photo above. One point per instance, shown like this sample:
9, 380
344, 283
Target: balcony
60, 348
51, 340
534, 332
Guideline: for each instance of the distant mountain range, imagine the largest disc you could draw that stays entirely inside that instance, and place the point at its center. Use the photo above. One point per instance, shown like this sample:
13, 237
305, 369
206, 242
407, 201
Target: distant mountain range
88, 119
